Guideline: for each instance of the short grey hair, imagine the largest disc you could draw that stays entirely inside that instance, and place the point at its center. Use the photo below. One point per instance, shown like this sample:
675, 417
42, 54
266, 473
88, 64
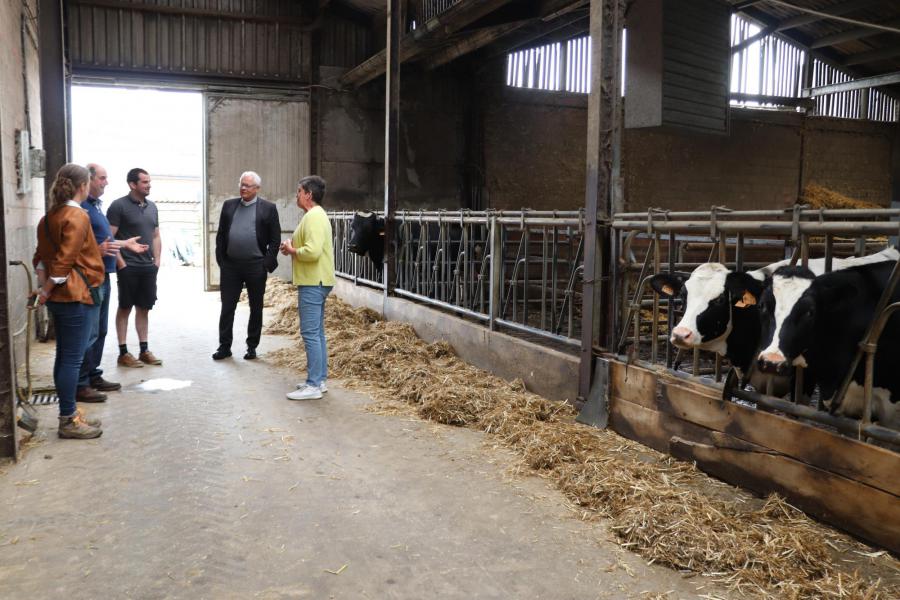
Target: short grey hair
251, 174
315, 185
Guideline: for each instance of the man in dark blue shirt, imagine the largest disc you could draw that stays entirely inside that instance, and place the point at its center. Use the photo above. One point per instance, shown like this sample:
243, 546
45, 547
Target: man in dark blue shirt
91, 383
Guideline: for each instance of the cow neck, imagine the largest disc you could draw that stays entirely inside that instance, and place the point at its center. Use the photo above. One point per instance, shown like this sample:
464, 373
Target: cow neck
743, 339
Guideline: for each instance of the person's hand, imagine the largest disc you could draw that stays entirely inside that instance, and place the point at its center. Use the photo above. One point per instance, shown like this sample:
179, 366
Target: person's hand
133, 245
110, 247
287, 247
38, 296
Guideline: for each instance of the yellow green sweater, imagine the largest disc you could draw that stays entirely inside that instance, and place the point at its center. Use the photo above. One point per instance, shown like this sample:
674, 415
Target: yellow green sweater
313, 263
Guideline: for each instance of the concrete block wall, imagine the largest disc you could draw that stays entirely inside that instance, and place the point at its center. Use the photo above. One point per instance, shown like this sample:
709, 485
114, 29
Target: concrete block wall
534, 156
350, 141
19, 110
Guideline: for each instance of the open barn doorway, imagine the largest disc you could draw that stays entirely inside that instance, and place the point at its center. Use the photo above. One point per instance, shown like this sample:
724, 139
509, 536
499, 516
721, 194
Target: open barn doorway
160, 131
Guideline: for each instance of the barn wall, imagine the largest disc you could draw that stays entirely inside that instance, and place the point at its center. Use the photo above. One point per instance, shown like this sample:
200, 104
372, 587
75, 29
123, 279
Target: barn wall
208, 39
350, 141
534, 156
19, 110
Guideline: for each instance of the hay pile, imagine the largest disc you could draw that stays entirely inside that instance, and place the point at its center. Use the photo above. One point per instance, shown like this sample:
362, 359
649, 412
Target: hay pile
665, 510
817, 196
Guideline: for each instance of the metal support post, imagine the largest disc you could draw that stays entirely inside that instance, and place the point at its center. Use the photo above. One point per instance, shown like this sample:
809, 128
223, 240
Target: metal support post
603, 122
391, 141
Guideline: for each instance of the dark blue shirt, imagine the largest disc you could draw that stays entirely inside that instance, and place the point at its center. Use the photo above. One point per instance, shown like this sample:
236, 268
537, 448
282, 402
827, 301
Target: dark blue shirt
100, 225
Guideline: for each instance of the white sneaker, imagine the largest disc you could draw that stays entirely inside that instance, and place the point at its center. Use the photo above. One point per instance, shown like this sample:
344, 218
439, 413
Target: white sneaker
307, 392
322, 387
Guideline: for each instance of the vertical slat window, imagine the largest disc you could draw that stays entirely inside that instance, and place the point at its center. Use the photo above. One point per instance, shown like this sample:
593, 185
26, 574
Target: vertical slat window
773, 66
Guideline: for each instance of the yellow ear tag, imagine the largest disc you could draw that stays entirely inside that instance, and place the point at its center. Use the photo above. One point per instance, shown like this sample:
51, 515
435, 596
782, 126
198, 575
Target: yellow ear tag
668, 290
748, 300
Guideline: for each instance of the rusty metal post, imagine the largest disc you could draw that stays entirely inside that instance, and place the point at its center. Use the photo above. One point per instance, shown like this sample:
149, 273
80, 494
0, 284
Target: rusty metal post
604, 122
391, 141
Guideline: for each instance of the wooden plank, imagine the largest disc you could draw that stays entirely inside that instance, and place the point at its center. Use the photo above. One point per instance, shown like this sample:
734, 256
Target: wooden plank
634, 384
850, 458
852, 506
656, 429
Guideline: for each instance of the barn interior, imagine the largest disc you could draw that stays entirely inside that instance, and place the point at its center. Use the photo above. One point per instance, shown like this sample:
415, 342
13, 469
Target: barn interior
588, 143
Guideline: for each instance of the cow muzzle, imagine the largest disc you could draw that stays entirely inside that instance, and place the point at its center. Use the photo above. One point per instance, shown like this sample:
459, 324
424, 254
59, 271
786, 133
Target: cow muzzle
773, 362
684, 337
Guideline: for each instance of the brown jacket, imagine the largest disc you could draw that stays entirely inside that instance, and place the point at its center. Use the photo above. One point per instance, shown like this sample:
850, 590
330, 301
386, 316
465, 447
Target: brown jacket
73, 244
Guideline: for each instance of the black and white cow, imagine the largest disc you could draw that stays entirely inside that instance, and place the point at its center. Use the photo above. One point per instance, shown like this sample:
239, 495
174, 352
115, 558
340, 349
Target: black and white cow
818, 322
720, 315
367, 237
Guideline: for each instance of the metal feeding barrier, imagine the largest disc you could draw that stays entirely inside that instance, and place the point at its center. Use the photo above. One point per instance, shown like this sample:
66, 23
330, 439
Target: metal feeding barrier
647, 243
519, 270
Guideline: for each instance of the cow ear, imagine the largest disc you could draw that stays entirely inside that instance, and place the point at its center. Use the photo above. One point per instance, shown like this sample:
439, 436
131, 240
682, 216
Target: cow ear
667, 284
743, 289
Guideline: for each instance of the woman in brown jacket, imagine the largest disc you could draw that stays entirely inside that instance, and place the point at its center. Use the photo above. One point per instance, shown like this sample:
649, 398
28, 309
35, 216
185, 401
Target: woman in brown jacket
68, 263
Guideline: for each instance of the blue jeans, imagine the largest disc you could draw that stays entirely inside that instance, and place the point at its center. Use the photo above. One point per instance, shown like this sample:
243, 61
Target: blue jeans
311, 299
90, 366
72, 322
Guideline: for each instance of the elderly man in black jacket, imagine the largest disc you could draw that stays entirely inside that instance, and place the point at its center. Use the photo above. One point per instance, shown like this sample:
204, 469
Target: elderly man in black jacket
246, 249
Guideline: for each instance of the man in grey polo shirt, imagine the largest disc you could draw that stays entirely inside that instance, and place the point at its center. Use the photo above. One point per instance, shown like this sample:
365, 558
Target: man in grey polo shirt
247, 245
130, 216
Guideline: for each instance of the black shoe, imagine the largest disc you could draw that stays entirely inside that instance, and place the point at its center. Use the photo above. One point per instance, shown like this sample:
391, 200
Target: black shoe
98, 383
251, 354
89, 394
221, 353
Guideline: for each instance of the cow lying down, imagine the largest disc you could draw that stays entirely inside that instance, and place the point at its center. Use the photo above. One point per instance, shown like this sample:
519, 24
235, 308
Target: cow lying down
817, 322
722, 314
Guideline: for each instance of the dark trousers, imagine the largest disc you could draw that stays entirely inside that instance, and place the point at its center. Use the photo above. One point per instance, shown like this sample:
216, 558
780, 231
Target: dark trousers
234, 276
90, 366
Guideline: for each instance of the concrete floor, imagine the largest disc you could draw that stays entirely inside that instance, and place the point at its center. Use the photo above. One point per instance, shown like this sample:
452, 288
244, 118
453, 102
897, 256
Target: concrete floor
225, 489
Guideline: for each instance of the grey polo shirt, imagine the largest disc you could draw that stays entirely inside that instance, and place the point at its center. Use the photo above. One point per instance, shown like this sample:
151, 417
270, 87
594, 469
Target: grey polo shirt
134, 219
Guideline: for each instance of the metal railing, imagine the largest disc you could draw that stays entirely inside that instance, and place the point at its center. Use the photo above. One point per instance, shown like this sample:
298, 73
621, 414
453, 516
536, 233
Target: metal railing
519, 270
655, 241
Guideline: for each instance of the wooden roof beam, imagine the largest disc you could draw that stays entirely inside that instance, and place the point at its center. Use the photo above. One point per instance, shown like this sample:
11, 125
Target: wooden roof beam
423, 38
791, 23
856, 33
862, 58
473, 41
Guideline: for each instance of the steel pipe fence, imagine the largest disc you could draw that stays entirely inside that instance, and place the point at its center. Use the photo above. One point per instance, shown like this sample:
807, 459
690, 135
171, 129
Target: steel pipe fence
520, 270
656, 241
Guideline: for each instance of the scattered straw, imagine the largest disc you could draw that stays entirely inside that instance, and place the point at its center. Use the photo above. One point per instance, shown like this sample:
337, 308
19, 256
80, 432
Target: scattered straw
667, 511
817, 196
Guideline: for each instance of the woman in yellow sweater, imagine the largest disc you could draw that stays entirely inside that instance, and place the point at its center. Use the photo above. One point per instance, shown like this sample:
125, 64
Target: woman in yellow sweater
313, 272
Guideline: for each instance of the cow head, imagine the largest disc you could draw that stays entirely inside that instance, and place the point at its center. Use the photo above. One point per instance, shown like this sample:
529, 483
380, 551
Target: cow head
787, 316
367, 235
791, 309
710, 294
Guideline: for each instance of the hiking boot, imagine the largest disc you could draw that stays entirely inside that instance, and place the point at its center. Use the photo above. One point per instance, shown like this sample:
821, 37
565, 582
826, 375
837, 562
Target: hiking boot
147, 358
92, 421
89, 394
75, 427
98, 383
128, 360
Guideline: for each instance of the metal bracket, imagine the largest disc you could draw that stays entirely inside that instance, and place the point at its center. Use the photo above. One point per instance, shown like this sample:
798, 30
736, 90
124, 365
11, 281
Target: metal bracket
596, 407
